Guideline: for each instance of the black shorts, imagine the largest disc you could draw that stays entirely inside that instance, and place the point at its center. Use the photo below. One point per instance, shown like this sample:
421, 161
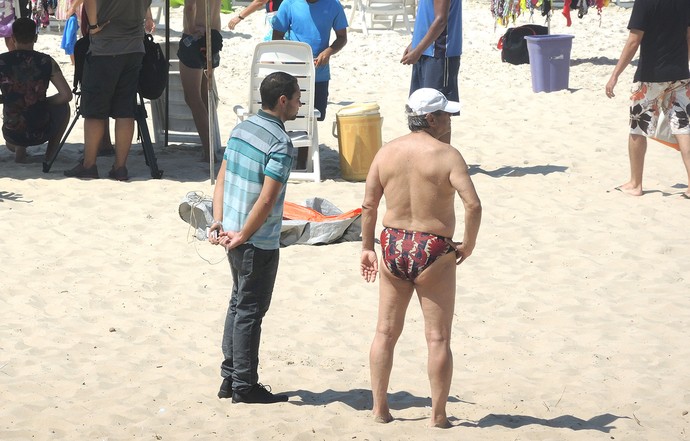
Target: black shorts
109, 85
192, 52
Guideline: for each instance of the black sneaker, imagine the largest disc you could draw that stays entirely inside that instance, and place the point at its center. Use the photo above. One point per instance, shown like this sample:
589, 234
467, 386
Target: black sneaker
259, 394
225, 388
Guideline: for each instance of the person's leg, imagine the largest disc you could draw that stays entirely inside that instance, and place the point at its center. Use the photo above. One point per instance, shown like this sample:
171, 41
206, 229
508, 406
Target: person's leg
394, 297
124, 132
226, 367
256, 273
436, 290
59, 118
19, 153
94, 129
124, 110
637, 148
684, 144
192, 82
321, 98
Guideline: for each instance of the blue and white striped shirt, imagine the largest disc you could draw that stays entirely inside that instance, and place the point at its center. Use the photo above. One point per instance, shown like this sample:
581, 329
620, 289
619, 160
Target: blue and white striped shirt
258, 147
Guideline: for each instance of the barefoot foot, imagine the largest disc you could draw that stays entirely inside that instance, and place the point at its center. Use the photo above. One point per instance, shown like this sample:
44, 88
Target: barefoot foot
383, 419
629, 189
443, 424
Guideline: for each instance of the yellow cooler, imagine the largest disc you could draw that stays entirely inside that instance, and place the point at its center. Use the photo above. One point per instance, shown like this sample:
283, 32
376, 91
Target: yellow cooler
358, 129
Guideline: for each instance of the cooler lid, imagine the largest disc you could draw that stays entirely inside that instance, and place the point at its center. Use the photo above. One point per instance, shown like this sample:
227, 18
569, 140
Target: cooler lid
359, 109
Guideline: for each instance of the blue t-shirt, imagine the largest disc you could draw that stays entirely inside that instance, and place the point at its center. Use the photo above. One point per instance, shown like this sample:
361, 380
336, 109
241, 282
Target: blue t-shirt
311, 23
449, 43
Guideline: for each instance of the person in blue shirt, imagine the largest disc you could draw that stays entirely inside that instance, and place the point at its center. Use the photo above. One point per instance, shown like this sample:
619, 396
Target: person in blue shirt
299, 18
436, 48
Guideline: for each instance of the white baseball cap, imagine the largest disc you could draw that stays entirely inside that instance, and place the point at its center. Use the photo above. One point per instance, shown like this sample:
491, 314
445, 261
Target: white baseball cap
427, 100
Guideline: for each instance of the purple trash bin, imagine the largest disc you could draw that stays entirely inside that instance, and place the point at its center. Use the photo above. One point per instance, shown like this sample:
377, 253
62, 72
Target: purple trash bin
549, 60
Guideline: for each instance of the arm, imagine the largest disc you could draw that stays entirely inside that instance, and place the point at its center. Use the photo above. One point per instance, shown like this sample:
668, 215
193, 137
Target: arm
257, 216
277, 35
462, 183
149, 24
441, 11
189, 17
629, 51
373, 191
73, 7
340, 41
92, 12
688, 39
253, 7
64, 94
218, 193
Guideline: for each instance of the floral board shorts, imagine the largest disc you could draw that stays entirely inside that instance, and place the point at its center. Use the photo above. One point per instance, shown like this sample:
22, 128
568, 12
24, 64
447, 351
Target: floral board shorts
648, 99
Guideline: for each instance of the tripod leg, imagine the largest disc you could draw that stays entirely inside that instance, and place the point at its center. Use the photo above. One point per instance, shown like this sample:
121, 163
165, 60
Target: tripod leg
49, 163
145, 137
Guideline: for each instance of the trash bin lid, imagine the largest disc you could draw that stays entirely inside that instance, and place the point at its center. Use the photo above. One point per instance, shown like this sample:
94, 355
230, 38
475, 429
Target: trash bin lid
359, 109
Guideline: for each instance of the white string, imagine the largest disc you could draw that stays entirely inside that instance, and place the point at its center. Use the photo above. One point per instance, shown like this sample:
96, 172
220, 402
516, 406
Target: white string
195, 198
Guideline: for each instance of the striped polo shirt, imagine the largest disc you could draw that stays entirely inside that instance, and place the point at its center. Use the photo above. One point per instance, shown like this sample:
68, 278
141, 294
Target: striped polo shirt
258, 147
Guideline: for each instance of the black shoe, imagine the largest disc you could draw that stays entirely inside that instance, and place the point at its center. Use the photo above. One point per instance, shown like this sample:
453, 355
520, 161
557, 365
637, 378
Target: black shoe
225, 388
259, 394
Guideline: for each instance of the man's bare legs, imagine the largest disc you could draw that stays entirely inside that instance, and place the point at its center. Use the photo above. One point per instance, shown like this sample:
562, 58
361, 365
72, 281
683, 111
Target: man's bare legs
436, 290
637, 148
93, 134
124, 132
684, 144
196, 97
394, 297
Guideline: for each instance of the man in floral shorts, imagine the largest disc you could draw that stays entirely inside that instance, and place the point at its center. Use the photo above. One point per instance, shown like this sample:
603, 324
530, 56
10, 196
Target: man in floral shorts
661, 29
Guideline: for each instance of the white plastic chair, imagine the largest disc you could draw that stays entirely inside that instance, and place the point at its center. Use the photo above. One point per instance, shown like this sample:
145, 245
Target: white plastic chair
386, 12
295, 58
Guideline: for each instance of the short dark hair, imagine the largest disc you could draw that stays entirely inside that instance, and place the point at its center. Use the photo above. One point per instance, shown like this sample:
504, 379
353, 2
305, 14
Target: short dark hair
24, 30
276, 85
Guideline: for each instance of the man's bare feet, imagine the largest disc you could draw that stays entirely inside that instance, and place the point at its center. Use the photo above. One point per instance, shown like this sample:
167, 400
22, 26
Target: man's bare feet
443, 424
383, 419
629, 189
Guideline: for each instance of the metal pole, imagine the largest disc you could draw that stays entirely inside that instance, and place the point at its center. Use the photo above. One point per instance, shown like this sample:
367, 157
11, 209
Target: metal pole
167, 57
209, 93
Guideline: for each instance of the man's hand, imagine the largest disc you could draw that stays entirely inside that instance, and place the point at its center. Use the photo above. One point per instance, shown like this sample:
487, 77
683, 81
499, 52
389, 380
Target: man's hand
610, 86
369, 265
234, 21
410, 56
98, 28
323, 58
462, 251
214, 233
231, 239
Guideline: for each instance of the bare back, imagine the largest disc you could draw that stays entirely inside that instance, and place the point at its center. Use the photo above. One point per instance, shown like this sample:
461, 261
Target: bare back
420, 176
195, 16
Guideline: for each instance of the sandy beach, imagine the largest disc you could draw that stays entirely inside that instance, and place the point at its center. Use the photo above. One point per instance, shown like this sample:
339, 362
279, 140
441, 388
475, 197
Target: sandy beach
571, 316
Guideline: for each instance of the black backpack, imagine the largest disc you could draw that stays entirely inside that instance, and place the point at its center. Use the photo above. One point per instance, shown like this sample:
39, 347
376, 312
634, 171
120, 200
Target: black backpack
153, 77
514, 46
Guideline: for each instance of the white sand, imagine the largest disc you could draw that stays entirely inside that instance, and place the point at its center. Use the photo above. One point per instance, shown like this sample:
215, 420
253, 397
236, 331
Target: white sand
571, 317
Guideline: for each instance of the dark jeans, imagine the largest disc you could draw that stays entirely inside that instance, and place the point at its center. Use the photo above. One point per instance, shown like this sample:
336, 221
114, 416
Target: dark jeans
253, 276
321, 98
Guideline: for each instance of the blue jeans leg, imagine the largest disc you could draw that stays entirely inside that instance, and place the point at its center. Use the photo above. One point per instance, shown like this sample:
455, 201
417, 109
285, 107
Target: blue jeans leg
253, 273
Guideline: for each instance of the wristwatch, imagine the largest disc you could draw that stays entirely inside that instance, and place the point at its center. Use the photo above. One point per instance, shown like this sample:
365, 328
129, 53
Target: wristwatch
92, 27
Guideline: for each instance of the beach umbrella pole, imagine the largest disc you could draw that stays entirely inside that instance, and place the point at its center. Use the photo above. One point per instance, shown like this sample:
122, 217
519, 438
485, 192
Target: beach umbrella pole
209, 92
